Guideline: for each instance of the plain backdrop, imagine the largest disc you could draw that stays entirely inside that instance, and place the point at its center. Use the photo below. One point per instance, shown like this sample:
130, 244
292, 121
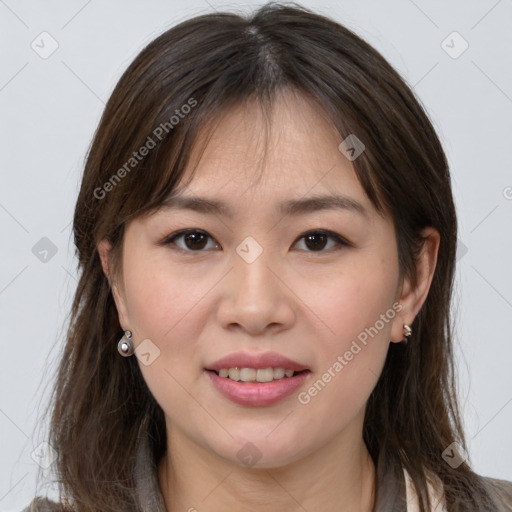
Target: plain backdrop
59, 64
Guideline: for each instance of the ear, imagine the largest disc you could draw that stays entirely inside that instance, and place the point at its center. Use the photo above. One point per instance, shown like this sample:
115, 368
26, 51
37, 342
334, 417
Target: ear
104, 248
412, 297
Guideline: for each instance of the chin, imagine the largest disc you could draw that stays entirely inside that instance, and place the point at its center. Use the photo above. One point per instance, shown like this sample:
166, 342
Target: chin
263, 452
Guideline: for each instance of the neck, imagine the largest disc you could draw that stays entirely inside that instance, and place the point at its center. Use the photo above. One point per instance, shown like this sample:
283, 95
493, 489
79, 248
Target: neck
339, 477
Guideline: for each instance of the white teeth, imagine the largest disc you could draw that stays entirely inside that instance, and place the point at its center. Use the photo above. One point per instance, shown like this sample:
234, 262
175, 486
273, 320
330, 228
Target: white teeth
279, 373
234, 373
265, 375
255, 375
248, 374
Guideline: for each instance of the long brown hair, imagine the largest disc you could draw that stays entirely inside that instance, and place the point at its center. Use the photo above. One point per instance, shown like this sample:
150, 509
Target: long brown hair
101, 406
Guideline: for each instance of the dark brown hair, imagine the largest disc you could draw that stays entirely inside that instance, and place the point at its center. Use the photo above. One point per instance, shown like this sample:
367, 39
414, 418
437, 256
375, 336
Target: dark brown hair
101, 406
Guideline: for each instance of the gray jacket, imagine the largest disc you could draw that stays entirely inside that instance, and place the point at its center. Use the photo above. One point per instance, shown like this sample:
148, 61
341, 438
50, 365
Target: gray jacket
390, 494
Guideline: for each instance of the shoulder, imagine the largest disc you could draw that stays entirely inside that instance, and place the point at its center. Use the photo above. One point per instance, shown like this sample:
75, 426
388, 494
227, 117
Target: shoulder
40, 504
501, 492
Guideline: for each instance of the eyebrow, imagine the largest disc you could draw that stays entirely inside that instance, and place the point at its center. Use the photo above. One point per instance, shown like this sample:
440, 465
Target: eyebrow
290, 207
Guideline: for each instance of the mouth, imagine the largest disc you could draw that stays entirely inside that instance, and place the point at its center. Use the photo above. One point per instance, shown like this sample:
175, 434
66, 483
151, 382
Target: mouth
240, 387
257, 379
257, 376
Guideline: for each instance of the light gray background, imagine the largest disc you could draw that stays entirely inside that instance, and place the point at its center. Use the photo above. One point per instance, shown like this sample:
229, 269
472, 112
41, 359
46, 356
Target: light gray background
50, 109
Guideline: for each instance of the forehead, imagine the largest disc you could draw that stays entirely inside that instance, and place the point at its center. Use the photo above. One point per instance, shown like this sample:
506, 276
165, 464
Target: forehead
293, 152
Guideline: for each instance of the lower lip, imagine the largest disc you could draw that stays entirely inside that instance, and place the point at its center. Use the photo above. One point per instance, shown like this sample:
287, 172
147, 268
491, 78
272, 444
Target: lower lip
257, 394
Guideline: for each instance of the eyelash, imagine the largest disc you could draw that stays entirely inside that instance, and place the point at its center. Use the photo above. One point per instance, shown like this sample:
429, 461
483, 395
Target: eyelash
342, 242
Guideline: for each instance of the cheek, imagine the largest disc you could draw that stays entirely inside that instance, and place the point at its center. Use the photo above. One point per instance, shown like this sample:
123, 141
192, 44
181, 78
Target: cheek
355, 299
357, 307
161, 295
164, 306
349, 365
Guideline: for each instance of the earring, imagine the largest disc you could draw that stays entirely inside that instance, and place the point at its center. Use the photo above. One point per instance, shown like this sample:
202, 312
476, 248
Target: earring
408, 332
125, 346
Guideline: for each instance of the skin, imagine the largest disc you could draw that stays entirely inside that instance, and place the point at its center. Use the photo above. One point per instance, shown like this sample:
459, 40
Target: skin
305, 302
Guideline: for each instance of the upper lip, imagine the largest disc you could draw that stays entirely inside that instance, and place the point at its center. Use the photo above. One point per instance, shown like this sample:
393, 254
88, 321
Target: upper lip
257, 361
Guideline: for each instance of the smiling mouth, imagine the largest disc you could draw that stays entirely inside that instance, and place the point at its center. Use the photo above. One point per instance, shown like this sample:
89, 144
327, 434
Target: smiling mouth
253, 375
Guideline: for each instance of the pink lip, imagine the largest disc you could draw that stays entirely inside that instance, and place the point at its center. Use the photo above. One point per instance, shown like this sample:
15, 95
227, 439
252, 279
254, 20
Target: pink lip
257, 394
248, 360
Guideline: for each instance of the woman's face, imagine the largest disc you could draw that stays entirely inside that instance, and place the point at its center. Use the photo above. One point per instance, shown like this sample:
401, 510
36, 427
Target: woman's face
249, 281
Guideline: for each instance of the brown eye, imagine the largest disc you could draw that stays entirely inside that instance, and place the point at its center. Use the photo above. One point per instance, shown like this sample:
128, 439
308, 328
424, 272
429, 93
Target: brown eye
194, 240
316, 241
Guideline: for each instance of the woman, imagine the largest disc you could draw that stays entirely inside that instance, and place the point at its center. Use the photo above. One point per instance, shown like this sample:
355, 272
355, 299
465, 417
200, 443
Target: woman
266, 235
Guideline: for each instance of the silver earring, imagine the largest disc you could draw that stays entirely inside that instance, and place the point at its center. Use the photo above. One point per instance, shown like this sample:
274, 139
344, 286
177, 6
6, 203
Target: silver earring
407, 332
125, 346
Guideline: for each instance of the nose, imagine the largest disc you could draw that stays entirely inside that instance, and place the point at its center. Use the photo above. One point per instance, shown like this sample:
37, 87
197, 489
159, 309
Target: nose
256, 298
